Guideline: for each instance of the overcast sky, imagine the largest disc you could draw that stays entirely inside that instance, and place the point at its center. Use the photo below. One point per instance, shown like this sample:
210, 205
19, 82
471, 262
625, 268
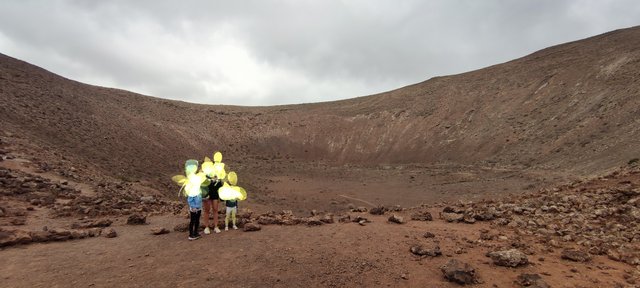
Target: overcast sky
271, 52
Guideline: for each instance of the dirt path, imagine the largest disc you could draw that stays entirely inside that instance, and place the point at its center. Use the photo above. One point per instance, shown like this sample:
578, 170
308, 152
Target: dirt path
360, 200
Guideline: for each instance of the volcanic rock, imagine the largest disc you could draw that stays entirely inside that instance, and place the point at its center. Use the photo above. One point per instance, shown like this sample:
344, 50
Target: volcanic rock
452, 217
422, 216
429, 235
509, 258
327, 219
379, 210
9, 238
110, 233
251, 227
344, 218
396, 219
182, 227
459, 272
531, 280
159, 231
137, 219
421, 251
575, 255
314, 221
359, 209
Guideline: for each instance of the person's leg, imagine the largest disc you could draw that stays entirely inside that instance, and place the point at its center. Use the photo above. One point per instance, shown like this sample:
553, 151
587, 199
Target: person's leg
214, 204
226, 218
197, 226
192, 223
207, 207
233, 217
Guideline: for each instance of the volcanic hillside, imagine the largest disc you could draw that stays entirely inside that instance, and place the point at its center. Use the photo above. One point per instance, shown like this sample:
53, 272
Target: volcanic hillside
570, 108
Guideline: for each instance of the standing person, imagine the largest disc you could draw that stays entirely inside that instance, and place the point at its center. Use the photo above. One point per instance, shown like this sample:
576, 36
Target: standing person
193, 185
212, 201
195, 210
232, 210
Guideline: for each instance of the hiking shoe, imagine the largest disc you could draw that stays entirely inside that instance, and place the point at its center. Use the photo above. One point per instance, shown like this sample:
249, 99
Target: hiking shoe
226, 228
216, 230
235, 227
207, 231
191, 238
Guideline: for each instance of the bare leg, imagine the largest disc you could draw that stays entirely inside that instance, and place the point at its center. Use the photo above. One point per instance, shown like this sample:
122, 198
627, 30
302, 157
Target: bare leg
207, 208
215, 203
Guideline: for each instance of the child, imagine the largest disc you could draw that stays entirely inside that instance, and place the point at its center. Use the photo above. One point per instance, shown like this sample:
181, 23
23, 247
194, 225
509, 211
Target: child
232, 209
195, 210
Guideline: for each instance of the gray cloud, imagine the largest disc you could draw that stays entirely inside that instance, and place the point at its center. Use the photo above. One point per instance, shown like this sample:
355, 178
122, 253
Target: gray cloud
281, 52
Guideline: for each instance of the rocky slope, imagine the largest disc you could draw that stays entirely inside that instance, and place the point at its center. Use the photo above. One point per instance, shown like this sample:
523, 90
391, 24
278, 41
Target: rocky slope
572, 107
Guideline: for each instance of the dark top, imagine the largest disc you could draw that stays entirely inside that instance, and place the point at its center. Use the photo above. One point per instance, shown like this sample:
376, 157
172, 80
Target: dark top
231, 203
213, 189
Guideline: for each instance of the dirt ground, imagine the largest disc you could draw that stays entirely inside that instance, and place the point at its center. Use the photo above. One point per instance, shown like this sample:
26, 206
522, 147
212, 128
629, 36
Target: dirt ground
376, 254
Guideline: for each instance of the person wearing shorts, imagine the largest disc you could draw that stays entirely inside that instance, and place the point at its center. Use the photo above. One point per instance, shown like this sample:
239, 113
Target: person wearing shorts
211, 203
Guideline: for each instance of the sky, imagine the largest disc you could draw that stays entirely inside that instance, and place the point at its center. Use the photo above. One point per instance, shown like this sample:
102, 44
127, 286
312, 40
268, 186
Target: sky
273, 52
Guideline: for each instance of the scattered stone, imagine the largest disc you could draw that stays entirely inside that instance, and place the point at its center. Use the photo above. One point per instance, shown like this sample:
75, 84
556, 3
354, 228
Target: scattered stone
94, 232
422, 216
509, 258
531, 280
159, 231
359, 209
624, 254
59, 234
182, 227
575, 255
452, 217
344, 218
377, 210
251, 227
110, 233
9, 238
147, 199
137, 219
421, 251
328, 219
92, 224
396, 219
429, 235
40, 236
314, 221
359, 219
459, 272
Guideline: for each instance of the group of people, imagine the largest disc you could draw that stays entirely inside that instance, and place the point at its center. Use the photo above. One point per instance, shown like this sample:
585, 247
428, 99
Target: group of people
205, 189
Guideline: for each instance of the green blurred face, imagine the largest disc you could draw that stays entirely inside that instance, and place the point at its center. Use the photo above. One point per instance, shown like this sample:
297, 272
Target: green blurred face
191, 166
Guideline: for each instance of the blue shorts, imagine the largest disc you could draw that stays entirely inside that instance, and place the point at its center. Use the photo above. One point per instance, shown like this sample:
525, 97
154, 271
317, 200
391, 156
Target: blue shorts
195, 202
